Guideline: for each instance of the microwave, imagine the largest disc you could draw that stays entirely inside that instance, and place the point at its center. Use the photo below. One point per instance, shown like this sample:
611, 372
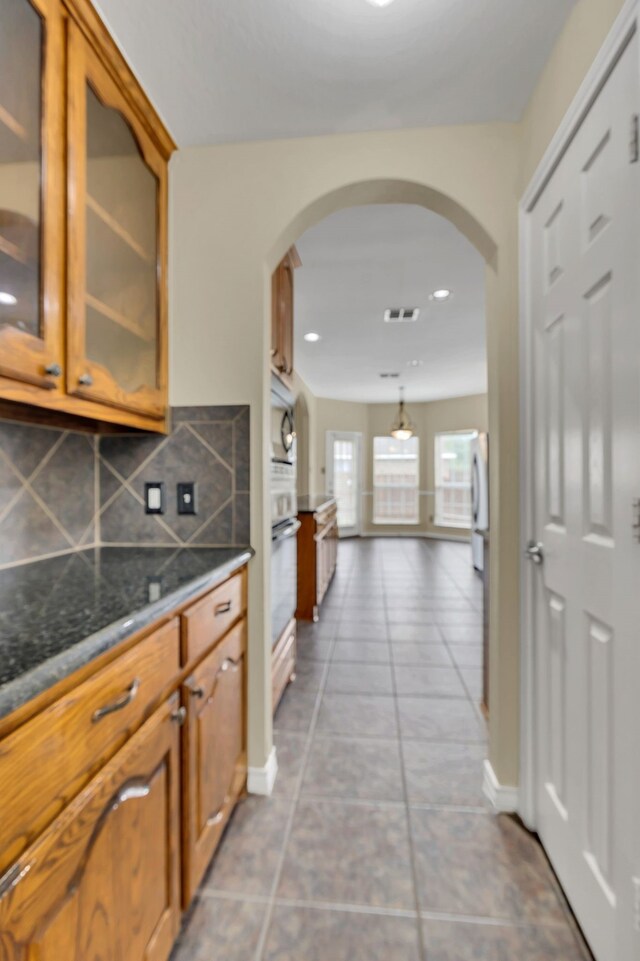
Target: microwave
283, 432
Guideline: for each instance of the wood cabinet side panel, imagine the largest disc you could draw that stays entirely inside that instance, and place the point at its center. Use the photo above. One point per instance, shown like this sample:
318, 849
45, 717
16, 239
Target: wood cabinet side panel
307, 568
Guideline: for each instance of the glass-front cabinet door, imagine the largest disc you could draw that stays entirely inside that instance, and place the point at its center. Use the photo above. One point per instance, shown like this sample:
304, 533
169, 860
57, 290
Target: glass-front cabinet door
117, 242
31, 191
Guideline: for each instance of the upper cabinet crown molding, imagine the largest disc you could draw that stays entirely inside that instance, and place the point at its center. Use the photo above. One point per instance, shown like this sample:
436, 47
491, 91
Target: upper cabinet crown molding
83, 158
88, 19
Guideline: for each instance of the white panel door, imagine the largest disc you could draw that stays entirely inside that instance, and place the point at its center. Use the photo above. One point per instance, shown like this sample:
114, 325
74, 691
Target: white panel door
344, 478
585, 261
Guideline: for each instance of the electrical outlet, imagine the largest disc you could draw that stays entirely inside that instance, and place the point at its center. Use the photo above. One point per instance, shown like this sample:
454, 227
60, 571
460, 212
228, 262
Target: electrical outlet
187, 498
154, 589
154, 497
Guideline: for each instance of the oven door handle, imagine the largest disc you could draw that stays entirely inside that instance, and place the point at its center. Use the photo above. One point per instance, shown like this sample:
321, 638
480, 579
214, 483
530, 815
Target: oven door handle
287, 530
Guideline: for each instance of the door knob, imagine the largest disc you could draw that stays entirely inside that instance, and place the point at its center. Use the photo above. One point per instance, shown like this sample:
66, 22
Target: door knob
535, 552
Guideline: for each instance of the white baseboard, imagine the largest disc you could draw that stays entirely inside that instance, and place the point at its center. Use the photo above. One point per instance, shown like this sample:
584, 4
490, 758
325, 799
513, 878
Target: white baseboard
260, 780
501, 797
422, 535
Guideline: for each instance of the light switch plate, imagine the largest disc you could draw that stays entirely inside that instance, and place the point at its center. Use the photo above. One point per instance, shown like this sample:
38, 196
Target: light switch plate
154, 497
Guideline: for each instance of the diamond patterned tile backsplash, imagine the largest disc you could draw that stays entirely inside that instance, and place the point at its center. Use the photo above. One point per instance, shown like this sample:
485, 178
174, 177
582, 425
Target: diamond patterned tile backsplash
208, 445
64, 491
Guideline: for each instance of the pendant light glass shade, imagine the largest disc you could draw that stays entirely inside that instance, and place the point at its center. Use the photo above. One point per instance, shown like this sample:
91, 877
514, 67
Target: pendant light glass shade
402, 428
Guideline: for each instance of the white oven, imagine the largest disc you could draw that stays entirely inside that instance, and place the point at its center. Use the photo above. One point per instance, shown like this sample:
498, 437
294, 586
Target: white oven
284, 511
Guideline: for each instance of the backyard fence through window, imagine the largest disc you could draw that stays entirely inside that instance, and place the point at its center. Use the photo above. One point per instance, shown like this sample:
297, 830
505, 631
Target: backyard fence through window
396, 481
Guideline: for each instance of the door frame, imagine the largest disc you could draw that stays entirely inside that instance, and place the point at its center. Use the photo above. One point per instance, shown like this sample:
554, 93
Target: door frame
330, 436
625, 26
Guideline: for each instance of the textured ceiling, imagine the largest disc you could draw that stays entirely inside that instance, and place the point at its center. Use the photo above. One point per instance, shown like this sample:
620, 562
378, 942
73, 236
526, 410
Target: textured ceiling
360, 261
231, 70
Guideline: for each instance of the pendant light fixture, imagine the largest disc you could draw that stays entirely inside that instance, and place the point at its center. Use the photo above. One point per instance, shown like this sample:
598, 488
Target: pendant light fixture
402, 428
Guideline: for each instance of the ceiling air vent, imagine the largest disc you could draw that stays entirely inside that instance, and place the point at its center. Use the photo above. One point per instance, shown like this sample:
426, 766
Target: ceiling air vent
389, 375
401, 315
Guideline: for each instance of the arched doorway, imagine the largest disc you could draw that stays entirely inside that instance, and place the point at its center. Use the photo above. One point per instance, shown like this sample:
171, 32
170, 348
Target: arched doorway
504, 496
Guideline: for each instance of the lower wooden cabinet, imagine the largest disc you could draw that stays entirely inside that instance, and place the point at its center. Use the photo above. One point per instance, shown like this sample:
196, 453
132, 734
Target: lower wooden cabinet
317, 558
114, 797
214, 765
103, 882
283, 662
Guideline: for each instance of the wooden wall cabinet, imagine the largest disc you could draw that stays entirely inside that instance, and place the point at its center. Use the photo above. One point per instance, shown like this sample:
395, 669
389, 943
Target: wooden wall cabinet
282, 314
31, 192
317, 558
142, 763
83, 222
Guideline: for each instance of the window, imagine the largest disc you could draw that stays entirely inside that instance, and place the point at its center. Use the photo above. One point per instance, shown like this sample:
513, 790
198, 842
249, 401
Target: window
396, 479
453, 479
344, 482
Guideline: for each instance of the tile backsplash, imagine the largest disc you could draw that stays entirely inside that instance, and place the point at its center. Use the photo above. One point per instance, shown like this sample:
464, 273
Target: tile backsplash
65, 491
48, 496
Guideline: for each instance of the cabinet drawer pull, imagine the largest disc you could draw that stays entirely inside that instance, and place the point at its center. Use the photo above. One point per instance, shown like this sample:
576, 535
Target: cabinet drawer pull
121, 702
223, 608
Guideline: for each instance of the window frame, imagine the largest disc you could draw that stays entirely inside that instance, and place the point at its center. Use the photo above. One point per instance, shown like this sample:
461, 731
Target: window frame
380, 521
439, 486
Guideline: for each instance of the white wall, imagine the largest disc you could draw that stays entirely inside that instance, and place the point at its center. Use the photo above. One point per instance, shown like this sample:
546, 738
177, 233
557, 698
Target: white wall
372, 420
234, 211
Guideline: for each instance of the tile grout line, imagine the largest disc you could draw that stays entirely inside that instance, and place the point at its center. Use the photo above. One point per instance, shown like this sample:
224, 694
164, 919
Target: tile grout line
266, 924
405, 791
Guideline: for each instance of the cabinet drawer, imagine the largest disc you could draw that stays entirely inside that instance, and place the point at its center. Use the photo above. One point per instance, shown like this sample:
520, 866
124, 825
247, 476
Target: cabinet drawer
210, 619
325, 518
44, 763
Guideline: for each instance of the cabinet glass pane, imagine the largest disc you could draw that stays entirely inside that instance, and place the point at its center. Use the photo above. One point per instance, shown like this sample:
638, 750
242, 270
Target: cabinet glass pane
121, 251
21, 43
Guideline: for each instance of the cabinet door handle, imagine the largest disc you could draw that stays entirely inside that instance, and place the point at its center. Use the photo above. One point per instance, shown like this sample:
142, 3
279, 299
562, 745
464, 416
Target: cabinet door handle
120, 702
53, 370
223, 608
194, 689
179, 716
86, 380
227, 664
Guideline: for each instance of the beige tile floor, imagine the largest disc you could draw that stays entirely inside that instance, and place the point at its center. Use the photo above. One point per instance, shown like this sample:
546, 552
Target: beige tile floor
377, 844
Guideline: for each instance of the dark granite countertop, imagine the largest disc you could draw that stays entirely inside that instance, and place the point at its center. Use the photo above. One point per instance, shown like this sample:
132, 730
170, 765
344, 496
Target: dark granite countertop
57, 615
311, 503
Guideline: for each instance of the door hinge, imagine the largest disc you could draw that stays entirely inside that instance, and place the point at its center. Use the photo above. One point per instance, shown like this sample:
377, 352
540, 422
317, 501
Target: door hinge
634, 140
636, 519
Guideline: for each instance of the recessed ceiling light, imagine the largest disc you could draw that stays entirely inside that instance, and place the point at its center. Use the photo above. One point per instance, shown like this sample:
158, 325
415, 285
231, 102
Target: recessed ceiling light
380, 3
312, 338
442, 294
8, 299
415, 363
